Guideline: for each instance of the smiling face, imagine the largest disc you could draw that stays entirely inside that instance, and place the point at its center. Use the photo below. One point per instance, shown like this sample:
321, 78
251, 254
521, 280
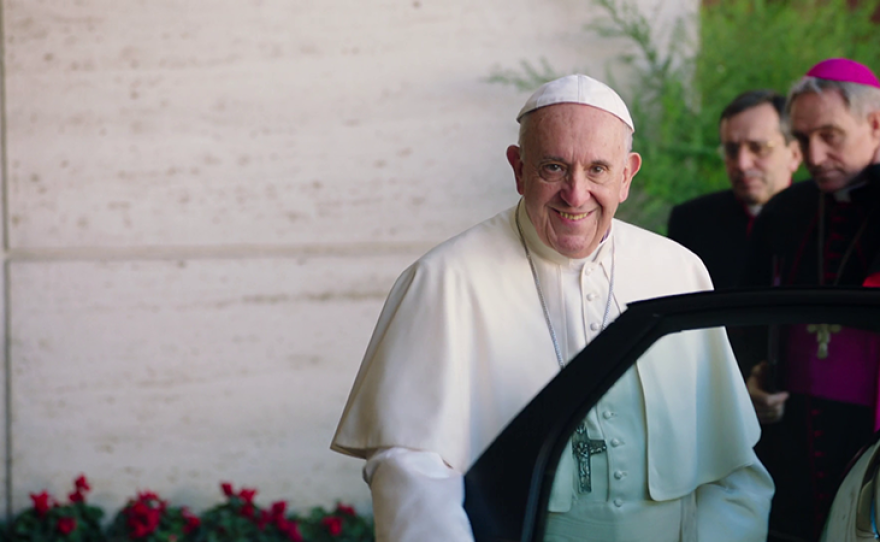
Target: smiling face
836, 144
758, 160
573, 170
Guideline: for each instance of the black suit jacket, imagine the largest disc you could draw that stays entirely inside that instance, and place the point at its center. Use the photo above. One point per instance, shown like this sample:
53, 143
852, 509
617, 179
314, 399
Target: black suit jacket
715, 227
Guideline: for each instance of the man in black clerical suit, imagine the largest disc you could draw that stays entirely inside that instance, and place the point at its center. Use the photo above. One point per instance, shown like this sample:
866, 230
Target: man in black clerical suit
823, 232
760, 157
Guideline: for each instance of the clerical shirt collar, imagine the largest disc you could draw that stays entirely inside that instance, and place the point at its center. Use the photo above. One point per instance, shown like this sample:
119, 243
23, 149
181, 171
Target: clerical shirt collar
600, 255
845, 193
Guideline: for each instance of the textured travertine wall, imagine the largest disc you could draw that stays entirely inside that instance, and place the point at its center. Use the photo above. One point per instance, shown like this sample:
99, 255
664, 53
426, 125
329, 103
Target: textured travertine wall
206, 204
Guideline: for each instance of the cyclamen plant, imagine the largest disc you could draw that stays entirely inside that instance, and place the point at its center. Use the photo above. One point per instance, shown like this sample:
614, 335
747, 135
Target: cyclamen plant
50, 521
148, 518
240, 518
341, 525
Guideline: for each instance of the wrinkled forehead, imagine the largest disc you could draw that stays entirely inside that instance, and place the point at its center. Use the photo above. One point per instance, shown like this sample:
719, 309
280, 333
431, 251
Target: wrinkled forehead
814, 110
759, 120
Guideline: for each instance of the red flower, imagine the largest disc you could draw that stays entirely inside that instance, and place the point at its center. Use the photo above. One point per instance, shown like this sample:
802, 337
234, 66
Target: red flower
247, 510
247, 495
192, 521
77, 496
139, 531
139, 508
333, 524
42, 502
263, 520
292, 531
147, 496
143, 517
66, 525
82, 484
345, 510
227, 489
278, 508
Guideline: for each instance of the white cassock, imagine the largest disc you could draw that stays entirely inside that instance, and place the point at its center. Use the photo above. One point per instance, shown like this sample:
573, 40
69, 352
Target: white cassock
462, 346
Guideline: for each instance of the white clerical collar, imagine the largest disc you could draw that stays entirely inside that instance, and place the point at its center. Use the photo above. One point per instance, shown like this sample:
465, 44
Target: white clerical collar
844, 194
754, 209
540, 249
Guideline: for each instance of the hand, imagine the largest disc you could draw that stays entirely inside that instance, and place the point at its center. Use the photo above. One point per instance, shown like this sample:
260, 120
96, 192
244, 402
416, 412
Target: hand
768, 406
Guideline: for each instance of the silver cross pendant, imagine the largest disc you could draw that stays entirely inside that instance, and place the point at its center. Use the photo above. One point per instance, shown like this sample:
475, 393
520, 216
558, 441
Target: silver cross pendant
584, 448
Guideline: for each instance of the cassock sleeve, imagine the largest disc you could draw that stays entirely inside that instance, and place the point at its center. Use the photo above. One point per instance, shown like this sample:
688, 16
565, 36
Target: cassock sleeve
416, 497
737, 507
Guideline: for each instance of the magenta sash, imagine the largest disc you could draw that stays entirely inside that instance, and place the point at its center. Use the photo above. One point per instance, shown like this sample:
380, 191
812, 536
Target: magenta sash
848, 374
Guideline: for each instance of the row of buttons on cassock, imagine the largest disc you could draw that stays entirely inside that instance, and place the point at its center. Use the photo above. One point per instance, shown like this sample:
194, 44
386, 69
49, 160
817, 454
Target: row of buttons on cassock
615, 442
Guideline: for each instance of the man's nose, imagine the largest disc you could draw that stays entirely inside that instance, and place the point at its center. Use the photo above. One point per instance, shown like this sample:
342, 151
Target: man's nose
814, 153
745, 160
577, 189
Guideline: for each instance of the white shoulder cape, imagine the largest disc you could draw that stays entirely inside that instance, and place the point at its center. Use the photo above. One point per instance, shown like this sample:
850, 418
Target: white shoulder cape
461, 347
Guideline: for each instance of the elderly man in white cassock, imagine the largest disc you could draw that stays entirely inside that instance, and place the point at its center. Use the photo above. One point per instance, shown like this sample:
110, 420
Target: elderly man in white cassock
474, 329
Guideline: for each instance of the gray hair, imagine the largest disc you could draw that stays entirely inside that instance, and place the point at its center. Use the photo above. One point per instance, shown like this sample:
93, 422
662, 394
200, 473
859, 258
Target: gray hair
859, 99
522, 133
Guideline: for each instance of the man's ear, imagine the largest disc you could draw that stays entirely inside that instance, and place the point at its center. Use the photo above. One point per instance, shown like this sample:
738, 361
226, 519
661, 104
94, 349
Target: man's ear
633, 164
796, 155
874, 119
513, 157
874, 124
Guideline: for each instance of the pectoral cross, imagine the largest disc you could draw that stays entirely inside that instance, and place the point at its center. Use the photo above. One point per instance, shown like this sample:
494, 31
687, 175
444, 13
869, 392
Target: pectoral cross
823, 337
583, 448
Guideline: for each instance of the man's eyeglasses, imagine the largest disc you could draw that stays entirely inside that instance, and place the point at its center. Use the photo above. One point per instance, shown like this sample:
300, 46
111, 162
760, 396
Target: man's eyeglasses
758, 149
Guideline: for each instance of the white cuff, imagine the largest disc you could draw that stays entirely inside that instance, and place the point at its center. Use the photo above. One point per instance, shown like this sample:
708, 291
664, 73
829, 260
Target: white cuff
416, 497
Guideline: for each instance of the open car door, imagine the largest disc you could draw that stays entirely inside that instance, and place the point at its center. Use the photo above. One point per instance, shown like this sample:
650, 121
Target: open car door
507, 490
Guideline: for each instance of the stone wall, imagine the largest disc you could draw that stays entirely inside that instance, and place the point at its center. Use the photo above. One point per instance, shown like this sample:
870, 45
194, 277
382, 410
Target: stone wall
206, 202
